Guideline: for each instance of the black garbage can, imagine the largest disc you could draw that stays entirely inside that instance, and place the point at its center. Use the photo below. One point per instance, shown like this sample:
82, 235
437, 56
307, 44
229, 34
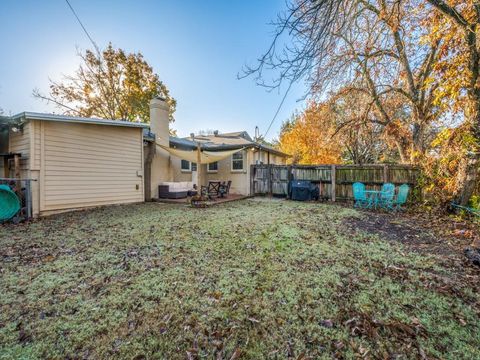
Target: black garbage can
302, 190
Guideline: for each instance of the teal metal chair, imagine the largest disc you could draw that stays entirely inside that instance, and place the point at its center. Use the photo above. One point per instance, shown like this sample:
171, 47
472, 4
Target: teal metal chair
360, 196
386, 196
402, 196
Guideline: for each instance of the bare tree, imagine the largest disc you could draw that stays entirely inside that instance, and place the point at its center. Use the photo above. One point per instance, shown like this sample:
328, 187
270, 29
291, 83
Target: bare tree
365, 43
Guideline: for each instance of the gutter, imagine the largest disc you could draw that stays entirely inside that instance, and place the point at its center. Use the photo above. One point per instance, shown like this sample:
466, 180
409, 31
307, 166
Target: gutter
25, 116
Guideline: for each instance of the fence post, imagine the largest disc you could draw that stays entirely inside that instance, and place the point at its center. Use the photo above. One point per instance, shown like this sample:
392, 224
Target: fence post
28, 199
289, 178
270, 180
385, 173
333, 177
252, 179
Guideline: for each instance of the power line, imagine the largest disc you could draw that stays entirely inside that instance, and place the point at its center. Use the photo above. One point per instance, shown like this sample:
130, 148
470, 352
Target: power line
83, 27
278, 109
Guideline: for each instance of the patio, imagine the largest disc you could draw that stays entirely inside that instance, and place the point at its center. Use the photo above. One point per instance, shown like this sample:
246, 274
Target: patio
216, 201
250, 279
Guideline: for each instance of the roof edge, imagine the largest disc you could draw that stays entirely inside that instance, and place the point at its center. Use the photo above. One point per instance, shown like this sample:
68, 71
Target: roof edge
76, 119
183, 142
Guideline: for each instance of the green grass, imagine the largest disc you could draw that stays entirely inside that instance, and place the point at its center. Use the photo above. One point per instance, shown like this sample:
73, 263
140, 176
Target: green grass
250, 280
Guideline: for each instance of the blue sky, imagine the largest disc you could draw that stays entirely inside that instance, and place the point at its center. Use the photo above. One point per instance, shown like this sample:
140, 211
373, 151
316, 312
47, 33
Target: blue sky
197, 48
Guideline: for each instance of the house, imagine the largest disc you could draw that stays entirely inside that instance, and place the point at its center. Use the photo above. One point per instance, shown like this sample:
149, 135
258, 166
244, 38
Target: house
75, 162
235, 167
80, 162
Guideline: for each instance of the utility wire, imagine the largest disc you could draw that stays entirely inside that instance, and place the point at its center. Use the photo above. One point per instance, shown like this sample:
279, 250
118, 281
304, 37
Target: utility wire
83, 27
278, 109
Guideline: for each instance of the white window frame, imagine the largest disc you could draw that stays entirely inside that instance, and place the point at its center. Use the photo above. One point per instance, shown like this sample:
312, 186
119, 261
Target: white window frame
243, 162
212, 171
189, 166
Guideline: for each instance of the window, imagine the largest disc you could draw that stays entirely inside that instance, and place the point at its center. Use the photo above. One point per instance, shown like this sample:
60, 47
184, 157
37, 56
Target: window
237, 161
213, 167
185, 165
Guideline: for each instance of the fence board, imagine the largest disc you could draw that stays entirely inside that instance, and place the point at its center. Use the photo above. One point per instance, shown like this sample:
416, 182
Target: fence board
273, 179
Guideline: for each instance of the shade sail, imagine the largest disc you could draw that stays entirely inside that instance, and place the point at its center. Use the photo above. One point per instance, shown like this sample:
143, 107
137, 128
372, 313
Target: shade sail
206, 157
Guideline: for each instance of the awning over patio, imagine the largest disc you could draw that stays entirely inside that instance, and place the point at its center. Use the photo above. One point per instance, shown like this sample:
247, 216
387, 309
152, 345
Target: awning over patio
200, 156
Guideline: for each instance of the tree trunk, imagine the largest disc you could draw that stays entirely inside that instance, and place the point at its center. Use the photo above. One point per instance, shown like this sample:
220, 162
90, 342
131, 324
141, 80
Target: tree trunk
418, 146
401, 151
468, 172
468, 177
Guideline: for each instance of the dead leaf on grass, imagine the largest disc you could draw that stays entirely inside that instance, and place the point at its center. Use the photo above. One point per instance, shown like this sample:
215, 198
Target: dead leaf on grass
48, 258
236, 354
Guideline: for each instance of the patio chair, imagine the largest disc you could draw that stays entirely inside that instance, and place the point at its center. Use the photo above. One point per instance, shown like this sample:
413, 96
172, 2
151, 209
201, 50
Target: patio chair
386, 196
224, 189
211, 190
360, 196
402, 195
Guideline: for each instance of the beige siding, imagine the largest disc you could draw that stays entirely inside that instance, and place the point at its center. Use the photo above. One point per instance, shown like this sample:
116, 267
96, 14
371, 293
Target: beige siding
19, 142
35, 164
85, 165
240, 179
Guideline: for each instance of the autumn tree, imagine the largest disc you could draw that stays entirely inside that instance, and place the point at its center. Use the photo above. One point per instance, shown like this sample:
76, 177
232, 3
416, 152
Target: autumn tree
459, 23
372, 46
338, 130
362, 138
308, 137
421, 56
112, 84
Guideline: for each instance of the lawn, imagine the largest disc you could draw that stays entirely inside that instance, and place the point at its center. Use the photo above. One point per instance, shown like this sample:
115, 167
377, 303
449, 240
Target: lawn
245, 280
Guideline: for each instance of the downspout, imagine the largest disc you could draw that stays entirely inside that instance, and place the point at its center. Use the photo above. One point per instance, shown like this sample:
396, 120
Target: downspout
148, 170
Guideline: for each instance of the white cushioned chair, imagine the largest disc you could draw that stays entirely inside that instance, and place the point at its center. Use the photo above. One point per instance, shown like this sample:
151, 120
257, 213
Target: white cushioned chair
175, 189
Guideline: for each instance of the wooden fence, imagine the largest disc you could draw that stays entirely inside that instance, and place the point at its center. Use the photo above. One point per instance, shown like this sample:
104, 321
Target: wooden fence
334, 181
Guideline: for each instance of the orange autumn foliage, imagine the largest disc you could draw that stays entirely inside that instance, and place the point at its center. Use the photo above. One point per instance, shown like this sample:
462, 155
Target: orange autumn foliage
309, 137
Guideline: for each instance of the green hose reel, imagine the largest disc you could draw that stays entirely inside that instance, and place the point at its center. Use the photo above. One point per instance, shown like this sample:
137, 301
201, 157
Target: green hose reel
9, 203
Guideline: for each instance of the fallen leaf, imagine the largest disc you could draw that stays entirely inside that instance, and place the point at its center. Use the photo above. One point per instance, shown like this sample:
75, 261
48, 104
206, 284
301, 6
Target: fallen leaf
236, 354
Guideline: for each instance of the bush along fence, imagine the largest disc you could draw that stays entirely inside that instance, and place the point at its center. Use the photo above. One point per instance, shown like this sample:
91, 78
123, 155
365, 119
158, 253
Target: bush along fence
334, 181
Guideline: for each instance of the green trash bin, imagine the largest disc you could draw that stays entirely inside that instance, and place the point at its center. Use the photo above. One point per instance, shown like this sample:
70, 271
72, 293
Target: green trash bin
9, 203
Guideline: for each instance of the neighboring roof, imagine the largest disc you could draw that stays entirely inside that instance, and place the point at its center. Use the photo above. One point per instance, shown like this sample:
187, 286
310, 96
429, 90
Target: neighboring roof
182, 143
24, 116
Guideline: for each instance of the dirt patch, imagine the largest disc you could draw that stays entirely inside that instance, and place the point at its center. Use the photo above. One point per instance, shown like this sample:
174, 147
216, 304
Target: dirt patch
390, 228
422, 233
444, 238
